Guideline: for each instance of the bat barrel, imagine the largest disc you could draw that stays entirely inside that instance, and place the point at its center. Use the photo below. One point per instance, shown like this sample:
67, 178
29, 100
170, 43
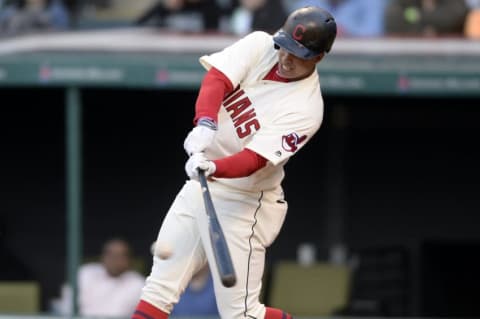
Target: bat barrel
219, 245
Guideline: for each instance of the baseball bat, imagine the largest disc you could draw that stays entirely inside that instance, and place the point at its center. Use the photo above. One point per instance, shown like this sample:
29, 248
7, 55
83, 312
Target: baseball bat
217, 238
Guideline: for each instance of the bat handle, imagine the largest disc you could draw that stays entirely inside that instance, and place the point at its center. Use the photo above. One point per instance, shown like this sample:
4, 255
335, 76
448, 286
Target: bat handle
201, 177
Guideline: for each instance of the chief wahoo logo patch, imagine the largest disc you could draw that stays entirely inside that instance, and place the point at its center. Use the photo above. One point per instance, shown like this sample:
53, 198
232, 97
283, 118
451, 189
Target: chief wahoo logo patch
291, 141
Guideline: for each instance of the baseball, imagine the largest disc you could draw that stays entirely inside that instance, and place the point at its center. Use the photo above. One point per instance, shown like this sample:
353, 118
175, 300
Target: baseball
163, 250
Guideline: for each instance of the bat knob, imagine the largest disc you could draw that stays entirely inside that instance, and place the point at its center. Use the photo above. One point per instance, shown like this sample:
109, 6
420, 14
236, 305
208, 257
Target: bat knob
229, 281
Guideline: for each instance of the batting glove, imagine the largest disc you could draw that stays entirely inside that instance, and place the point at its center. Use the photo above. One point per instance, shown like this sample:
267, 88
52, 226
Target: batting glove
201, 136
199, 161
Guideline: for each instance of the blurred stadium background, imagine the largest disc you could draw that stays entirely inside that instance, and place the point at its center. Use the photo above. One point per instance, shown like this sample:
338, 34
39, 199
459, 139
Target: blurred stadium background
92, 125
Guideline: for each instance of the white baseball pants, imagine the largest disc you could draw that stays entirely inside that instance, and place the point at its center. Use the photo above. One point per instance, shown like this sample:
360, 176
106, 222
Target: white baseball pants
250, 222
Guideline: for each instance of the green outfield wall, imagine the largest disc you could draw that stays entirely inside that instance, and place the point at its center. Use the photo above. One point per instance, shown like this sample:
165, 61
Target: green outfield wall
141, 58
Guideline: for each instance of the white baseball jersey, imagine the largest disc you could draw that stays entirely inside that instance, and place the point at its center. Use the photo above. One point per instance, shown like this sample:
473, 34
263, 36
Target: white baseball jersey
273, 119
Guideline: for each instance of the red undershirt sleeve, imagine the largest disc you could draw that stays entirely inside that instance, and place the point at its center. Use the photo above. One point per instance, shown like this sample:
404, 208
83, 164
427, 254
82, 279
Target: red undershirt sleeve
241, 164
215, 86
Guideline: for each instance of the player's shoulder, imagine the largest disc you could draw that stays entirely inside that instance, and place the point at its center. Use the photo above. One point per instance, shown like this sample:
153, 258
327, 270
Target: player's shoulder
308, 92
307, 106
314, 105
259, 37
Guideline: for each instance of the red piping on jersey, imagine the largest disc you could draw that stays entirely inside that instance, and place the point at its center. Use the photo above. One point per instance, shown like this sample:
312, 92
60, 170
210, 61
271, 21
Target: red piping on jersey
215, 86
241, 164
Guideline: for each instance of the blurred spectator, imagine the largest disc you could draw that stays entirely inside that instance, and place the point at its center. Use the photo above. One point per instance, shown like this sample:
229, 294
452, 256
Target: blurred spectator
426, 17
199, 297
108, 288
184, 15
354, 18
26, 16
473, 4
472, 22
109, 13
254, 15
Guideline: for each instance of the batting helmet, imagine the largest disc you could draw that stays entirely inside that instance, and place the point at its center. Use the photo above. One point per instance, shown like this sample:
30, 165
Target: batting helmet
307, 32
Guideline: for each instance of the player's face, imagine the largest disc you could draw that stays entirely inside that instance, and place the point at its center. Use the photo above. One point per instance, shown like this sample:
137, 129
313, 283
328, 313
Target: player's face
295, 68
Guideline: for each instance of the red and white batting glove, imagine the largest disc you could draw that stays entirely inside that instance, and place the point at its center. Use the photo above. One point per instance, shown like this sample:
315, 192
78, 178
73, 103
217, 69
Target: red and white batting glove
199, 161
200, 136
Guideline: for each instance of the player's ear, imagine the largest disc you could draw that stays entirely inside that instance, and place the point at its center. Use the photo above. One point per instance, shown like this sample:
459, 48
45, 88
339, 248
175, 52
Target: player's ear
319, 58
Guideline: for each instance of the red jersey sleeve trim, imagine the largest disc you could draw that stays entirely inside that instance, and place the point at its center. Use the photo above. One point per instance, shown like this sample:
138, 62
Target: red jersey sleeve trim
215, 86
241, 164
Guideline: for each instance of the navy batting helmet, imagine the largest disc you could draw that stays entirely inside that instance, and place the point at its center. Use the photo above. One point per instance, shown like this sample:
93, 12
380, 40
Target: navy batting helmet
307, 32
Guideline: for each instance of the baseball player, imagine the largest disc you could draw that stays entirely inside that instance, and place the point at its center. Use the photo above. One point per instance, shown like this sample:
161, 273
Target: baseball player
259, 104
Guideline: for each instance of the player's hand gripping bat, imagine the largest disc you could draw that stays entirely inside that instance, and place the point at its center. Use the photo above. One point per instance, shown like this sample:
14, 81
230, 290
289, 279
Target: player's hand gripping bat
217, 238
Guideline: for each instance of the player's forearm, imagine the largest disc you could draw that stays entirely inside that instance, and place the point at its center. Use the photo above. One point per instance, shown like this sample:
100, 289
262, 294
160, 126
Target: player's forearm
241, 164
214, 87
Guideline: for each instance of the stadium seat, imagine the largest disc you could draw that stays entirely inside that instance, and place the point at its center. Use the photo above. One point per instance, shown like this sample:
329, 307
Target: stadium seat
317, 290
19, 297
